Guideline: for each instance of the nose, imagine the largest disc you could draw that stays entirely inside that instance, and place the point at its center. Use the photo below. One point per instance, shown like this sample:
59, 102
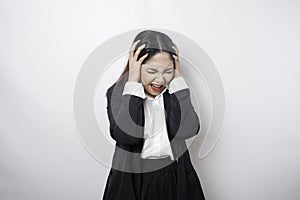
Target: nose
160, 79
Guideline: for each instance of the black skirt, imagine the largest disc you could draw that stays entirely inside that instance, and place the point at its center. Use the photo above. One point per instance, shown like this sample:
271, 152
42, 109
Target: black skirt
160, 184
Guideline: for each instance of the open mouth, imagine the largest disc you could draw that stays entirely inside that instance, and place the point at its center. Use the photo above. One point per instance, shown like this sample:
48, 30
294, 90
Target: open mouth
156, 88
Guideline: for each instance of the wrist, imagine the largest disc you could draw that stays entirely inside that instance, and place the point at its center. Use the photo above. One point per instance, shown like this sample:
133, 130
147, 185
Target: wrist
177, 74
133, 78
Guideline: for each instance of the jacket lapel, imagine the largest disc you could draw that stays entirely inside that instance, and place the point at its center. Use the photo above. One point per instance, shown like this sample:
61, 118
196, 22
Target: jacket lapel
167, 105
166, 96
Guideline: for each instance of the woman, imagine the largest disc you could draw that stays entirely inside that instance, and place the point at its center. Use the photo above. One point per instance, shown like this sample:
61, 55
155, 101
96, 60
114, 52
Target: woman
151, 115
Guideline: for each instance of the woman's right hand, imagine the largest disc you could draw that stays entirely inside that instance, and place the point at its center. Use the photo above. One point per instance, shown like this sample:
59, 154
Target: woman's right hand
134, 64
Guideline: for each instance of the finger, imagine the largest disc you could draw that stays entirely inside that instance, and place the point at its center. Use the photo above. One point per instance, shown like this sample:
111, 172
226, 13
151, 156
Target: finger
176, 62
138, 51
175, 57
176, 49
133, 47
143, 58
174, 44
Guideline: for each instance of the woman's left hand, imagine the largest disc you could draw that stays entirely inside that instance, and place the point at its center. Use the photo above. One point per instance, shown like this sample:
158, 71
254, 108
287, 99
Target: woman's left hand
177, 72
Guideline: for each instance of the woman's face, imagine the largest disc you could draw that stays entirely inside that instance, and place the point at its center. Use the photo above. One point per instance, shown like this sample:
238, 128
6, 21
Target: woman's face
156, 73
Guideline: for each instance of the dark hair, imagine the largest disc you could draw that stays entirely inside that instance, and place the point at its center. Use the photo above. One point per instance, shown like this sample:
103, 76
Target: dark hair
155, 42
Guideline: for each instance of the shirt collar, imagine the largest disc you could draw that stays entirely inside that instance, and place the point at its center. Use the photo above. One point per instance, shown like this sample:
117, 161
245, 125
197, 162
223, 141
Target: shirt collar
159, 95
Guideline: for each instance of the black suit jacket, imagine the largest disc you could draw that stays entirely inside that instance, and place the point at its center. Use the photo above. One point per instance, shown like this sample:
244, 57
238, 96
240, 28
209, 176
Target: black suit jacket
128, 111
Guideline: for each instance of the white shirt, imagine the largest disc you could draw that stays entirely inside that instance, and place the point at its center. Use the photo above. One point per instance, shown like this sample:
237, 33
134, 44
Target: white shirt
156, 141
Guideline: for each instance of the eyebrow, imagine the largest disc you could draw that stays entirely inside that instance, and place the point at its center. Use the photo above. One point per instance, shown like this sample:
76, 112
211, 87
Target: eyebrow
157, 70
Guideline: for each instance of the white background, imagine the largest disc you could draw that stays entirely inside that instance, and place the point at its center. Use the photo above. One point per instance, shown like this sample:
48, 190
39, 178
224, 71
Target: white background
254, 45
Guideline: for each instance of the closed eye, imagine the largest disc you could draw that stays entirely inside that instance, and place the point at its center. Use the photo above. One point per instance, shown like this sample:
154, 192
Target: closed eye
151, 72
170, 71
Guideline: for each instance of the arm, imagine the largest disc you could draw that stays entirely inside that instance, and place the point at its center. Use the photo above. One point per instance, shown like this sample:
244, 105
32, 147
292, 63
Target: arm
183, 117
126, 114
125, 110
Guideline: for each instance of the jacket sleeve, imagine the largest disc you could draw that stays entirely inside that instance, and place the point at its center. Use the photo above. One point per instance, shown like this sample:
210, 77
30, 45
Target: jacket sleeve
184, 119
125, 114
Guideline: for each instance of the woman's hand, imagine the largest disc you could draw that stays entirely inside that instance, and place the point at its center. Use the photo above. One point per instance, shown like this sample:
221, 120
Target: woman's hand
134, 64
177, 72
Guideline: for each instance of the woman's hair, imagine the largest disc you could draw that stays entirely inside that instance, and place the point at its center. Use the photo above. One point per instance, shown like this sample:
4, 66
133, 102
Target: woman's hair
155, 42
